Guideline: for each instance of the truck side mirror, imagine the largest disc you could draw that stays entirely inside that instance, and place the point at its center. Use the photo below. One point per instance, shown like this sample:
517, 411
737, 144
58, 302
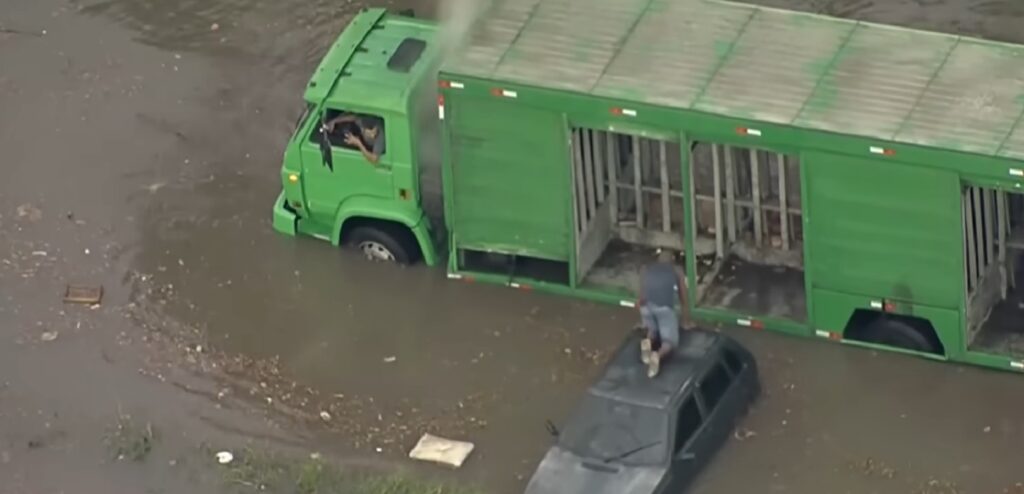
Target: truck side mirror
325, 148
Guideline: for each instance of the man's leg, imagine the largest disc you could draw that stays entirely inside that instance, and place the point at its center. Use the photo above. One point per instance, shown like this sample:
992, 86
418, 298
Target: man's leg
668, 336
650, 326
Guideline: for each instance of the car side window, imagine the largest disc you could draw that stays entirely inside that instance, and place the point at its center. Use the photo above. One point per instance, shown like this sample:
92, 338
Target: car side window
714, 385
368, 128
688, 423
733, 361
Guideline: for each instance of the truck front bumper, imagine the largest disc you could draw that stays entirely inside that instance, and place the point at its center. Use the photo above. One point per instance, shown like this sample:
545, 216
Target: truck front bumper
284, 218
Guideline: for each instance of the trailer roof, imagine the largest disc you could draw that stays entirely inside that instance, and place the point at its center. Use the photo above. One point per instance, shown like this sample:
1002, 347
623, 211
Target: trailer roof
770, 65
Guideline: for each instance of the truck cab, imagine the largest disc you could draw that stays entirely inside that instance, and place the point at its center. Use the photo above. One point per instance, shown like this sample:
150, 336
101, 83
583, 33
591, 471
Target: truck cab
352, 168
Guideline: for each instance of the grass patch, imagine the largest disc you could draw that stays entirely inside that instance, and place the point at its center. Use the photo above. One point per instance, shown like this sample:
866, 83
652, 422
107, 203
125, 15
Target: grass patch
252, 470
128, 440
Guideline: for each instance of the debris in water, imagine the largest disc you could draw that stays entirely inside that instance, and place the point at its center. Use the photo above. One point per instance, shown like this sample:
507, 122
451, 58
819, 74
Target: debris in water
29, 212
48, 336
742, 434
325, 416
225, 457
90, 295
390, 359
441, 450
214, 26
988, 429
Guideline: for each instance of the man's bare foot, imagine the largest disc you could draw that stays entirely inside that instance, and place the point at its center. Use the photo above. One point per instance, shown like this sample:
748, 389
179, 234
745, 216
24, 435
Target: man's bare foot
654, 365
645, 351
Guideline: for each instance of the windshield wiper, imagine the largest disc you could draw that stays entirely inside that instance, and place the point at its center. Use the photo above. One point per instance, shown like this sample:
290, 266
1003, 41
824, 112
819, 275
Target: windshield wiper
628, 453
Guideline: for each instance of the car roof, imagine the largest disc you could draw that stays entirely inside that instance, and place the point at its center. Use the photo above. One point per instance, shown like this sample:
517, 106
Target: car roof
625, 377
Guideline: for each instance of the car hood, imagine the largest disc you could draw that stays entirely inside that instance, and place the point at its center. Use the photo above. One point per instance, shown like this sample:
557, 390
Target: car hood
562, 472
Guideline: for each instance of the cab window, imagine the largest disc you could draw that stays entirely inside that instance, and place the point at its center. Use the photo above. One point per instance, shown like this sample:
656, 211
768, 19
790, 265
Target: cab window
345, 128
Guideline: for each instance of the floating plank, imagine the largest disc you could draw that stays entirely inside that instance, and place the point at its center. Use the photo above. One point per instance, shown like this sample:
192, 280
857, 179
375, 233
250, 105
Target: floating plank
90, 295
440, 450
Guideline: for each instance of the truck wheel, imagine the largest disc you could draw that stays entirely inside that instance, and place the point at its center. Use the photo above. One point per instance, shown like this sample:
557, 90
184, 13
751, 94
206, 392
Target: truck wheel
381, 244
899, 334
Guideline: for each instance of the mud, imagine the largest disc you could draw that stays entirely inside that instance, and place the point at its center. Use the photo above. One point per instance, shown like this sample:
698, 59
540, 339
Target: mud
141, 146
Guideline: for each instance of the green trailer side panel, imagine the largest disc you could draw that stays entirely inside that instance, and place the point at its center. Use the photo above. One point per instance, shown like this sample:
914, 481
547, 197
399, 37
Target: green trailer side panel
881, 229
509, 169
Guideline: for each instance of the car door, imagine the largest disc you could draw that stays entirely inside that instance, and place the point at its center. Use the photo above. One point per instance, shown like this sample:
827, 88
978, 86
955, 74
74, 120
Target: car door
346, 173
720, 401
687, 441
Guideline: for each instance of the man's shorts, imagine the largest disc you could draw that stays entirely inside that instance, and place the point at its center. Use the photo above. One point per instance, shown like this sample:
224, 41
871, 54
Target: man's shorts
662, 320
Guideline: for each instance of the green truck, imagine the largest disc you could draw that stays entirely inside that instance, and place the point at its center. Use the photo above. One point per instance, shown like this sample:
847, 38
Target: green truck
822, 177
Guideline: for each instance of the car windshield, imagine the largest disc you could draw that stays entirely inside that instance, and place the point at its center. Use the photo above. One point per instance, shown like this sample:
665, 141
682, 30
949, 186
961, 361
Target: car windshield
602, 428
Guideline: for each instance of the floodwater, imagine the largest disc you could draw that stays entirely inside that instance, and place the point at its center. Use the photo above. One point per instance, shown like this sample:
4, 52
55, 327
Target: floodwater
145, 138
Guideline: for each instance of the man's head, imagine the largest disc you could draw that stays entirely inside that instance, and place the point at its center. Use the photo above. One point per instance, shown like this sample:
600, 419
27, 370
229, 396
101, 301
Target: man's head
370, 128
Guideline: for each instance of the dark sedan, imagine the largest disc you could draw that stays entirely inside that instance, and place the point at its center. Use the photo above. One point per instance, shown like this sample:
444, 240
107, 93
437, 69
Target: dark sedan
635, 435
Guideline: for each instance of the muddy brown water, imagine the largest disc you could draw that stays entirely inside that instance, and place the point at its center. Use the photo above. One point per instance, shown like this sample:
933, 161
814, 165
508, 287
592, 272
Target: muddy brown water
170, 122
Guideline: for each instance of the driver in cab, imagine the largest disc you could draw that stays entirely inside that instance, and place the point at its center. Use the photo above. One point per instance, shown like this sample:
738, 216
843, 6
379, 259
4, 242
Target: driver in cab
369, 142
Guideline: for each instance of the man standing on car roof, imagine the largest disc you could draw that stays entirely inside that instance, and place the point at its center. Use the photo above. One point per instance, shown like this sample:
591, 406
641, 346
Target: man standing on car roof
662, 284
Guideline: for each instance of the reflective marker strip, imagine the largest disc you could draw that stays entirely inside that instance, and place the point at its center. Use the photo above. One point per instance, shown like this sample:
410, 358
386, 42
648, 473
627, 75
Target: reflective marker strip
505, 93
440, 107
456, 85
454, 276
881, 150
627, 303
624, 111
322, 237
750, 323
748, 132
876, 304
519, 286
1016, 172
1017, 365
828, 334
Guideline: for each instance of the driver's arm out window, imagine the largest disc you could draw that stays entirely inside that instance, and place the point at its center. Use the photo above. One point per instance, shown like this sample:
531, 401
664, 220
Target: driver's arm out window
352, 123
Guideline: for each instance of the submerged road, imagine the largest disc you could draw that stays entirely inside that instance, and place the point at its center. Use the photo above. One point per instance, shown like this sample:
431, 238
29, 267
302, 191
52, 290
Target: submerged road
141, 144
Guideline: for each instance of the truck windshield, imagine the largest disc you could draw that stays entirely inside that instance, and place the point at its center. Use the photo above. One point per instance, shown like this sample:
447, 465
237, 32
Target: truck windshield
601, 428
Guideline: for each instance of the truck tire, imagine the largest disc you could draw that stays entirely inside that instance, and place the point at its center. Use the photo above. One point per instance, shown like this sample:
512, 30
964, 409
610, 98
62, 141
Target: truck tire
382, 243
899, 334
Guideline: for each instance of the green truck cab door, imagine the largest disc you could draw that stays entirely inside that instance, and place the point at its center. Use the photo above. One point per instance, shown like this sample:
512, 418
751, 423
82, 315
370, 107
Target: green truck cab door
339, 164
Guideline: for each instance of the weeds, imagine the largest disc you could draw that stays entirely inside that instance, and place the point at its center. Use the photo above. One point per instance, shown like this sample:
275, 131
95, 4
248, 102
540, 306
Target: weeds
265, 473
128, 440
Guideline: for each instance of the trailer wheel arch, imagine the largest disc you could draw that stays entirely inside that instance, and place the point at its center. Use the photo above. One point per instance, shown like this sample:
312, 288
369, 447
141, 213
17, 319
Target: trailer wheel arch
894, 330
